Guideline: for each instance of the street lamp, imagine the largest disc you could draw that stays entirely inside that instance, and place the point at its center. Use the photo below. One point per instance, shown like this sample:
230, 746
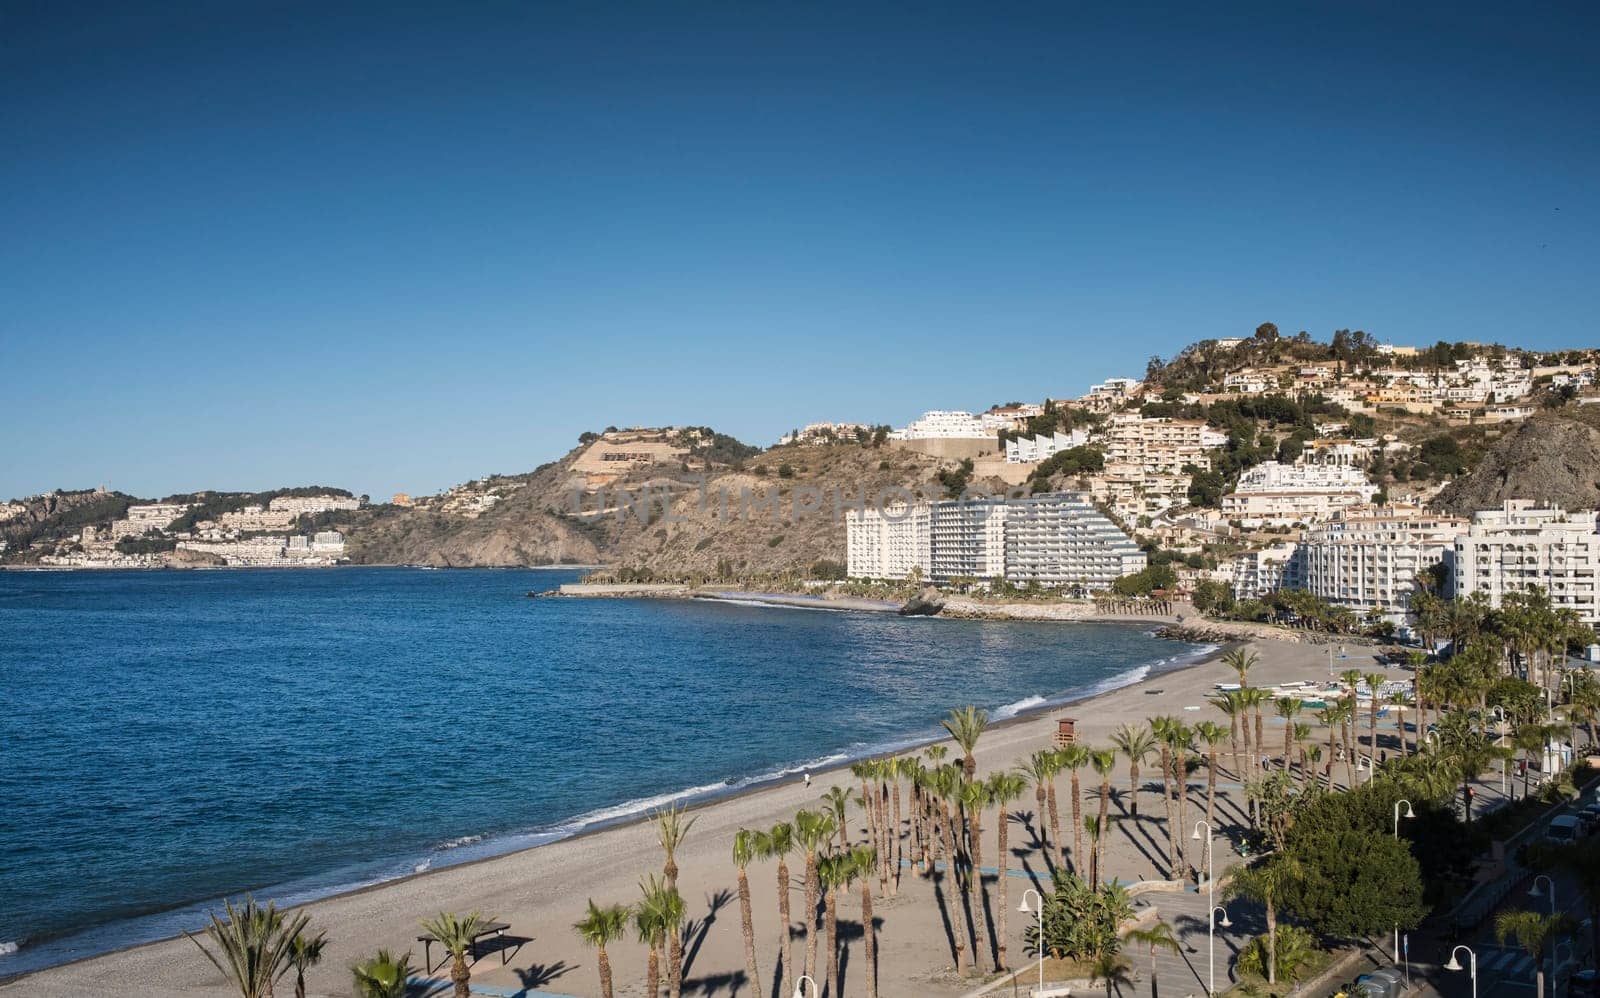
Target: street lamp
1024, 909
1535, 892
1211, 946
1472, 965
1211, 871
816, 992
1409, 814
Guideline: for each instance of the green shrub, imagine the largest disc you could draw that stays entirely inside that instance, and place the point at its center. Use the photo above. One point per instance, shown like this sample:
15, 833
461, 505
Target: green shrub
1295, 950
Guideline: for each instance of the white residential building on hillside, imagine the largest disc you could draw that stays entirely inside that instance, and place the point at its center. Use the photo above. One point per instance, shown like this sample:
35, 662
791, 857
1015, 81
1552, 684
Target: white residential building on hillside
1522, 545
1369, 558
1031, 450
941, 424
252, 519
1109, 393
303, 505
150, 517
968, 539
1058, 539
1282, 494
888, 543
1163, 446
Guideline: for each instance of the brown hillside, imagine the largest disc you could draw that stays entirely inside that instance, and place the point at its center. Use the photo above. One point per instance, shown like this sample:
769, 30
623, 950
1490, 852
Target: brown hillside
1553, 457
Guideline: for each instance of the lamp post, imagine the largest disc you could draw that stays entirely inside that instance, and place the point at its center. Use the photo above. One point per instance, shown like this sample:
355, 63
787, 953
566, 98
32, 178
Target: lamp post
1211, 880
1535, 892
1397, 816
816, 992
1024, 909
1211, 946
1472, 965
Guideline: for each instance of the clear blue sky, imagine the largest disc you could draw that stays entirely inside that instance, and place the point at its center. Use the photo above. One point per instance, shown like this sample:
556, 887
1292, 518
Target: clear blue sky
396, 246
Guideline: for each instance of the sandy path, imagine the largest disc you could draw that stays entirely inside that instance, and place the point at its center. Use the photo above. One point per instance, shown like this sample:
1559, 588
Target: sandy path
542, 891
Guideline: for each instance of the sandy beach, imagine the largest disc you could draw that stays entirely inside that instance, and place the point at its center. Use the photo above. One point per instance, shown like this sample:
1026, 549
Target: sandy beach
542, 891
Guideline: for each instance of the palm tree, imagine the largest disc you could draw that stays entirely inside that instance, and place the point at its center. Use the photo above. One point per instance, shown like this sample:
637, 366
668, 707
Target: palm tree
864, 858
671, 830
835, 871
1181, 737
1212, 734
1040, 769
1157, 936
383, 976
599, 928
1136, 743
1531, 931
253, 945
1288, 708
456, 934
966, 727
1104, 762
1266, 883
1094, 828
1111, 968
1072, 758
943, 784
1004, 788
1241, 661
1400, 700
776, 844
305, 952
812, 830
651, 918
836, 800
1228, 702
744, 851
1257, 698
974, 798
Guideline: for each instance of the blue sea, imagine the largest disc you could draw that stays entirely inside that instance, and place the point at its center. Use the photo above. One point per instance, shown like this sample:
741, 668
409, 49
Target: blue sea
169, 738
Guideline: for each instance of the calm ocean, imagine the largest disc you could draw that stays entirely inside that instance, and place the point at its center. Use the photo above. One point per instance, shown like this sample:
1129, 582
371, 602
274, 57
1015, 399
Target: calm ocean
171, 737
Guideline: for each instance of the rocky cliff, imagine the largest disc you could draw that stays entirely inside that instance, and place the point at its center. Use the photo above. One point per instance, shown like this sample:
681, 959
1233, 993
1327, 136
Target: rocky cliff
1553, 457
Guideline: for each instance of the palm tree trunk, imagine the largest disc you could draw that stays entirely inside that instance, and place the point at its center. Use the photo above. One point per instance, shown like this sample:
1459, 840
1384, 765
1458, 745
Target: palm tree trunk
1055, 823
1233, 743
810, 914
652, 974
898, 838
831, 901
747, 917
1180, 766
1349, 754
1003, 864
459, 976
948, 834
1166, 804
869, 941
1133, 788
980, 926
1077, 821
1038, 796
675, 962
785, 939
1261, 744
605, 972
1211, 785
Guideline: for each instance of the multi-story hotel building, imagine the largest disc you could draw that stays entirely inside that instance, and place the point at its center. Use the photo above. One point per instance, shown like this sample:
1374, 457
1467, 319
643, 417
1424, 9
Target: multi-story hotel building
1522, 545
1369, 558
1058, 539
1264, 572
940, 424
1054, 540
1163, 446
302, 505
144, 519
888, 543
968, 539
1273, 493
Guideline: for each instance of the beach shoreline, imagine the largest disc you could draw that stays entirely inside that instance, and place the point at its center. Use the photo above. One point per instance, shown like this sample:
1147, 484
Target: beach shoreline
1019, 714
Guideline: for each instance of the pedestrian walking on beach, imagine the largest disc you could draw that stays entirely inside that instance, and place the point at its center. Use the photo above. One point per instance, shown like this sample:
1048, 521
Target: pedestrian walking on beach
808, 780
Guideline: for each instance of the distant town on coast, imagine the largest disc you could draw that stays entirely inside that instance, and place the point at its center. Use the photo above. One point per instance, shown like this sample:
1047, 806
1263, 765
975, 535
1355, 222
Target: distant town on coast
1265, 476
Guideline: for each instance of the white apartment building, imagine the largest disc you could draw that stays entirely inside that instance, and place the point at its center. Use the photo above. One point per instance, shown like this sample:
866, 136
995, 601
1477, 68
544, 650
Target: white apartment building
888, 543
1248, 382
1133, 491
1109, 393
1369, 558
1522, 545
968, 539
304, 505
1031, 450
823, 431
942, 424
1264, 572
1282, 494
253, 518
1163, 446
1059, 540
150, 517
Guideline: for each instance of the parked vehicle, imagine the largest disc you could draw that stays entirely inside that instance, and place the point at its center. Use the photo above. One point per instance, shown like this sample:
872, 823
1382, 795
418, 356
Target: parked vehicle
1564, 829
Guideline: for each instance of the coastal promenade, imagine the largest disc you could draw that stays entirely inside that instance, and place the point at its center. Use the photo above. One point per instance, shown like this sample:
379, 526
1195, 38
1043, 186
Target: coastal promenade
542, 891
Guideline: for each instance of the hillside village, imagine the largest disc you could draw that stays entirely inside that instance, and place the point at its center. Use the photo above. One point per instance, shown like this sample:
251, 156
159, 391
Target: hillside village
1237, 471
